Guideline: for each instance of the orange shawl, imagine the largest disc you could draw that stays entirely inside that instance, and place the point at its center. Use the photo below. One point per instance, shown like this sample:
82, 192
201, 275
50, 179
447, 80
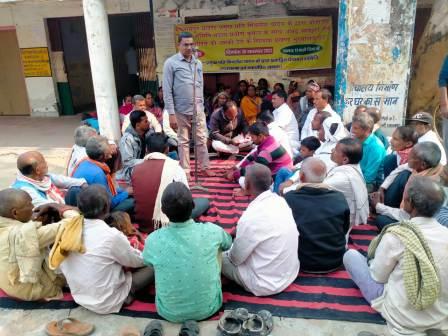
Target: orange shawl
250, 108
106, 170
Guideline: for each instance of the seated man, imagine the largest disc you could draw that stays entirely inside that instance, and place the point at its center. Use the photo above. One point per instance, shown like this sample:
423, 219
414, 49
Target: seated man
372, 149
33, 177
95, 171
424, 160
139, 104
406, 278
275, 130
24, 273
422, 123
347, 178
82, 134
149, 180
375, 114
132, 144
228, 129
268, 153
286, 119
263, 257
184, 256
96, 278
322, 238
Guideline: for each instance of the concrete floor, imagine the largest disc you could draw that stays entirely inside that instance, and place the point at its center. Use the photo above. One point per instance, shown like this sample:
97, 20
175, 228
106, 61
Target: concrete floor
54, 137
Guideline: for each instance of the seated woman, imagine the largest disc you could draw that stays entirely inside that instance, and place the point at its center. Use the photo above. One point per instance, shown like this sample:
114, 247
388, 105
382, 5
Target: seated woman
402, 141
184, 256
251, 105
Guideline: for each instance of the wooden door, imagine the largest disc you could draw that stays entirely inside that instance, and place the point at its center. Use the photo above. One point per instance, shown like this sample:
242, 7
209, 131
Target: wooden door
13, 95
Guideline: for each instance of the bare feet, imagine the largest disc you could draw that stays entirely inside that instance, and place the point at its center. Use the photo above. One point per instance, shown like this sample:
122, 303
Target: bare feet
207, 173
239, 192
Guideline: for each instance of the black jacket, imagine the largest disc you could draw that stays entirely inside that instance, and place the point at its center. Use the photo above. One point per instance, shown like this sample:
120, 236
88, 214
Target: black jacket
323, 219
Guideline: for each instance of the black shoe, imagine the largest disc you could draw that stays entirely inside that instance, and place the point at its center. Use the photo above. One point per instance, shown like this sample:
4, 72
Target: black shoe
154, 328
189, 328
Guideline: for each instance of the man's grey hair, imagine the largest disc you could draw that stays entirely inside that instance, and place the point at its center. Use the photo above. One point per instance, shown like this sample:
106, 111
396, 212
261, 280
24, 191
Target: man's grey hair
428, 152
314, 170
364, 120
96, 147
137, 98
82, 134
425, 195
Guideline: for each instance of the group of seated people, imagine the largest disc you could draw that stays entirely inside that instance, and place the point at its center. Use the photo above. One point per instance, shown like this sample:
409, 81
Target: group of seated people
308, 187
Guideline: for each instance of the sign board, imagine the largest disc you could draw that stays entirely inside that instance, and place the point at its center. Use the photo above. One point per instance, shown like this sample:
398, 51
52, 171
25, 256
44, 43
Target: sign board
36, 62
292, 43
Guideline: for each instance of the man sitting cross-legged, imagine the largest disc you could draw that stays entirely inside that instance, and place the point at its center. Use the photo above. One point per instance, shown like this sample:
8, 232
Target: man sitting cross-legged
184, 255
96, 278
95, 171
347, 178
33, 177
24, 273
322, 216
263, 258
149, 180
406, 276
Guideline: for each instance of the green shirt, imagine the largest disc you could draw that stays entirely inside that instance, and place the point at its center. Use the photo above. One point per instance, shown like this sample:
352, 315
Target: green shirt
187, 272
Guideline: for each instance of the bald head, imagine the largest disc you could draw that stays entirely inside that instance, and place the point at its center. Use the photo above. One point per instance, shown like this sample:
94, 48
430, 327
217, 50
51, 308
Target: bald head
313, 171
31, 164
15, 204
258, 179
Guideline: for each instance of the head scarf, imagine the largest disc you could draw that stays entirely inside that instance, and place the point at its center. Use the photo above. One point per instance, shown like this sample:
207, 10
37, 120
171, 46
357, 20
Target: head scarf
340, 132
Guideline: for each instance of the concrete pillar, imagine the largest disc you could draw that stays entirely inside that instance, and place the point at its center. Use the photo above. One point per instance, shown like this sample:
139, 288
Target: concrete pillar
373, 58
100, 54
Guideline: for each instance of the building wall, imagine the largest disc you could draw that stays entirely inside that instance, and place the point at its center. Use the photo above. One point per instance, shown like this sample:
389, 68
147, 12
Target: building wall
29, 20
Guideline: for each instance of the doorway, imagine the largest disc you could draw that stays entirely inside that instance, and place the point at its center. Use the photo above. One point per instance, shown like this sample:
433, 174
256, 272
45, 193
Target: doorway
13, 94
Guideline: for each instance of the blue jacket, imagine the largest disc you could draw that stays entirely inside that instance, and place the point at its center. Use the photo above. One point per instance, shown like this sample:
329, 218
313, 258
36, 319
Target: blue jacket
373, 154
443, 75
95, 175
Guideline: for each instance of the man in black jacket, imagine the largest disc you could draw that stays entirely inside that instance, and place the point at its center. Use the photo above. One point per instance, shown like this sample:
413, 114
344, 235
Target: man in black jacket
322, 216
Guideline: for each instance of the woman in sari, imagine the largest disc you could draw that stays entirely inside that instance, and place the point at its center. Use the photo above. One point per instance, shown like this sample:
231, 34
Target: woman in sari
250, 105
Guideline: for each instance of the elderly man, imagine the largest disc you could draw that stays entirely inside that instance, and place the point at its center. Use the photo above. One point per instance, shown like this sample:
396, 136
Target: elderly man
149, 181
306, 103
422, 123
347, 178
321, 100
132, 144
97, 278
33, 177
323, 231
24, 274
406, 278
82, 134
95, 171
184, 256
263, 257
424, 160
139, 104
372, 149
227, 129
285, 118
183, 85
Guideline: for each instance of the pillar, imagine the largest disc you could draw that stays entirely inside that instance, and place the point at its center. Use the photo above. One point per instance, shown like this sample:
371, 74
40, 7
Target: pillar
100, 54
374, 56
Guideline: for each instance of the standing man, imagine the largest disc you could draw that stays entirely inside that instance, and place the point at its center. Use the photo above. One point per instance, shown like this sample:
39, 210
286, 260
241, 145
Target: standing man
443, 84
178, 87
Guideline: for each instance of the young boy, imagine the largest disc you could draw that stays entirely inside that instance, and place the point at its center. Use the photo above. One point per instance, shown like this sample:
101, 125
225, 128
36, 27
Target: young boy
286, 177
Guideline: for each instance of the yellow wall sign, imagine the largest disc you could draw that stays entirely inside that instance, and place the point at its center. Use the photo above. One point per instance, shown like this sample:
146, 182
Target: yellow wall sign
291, 43
36, 62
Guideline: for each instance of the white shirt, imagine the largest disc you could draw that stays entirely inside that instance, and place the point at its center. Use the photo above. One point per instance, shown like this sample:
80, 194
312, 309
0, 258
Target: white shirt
167, 127
96, 278
280, 136
78, 154
307, 129
153, 122
348, 179
431, 136
285, 118
266, 245
387, 268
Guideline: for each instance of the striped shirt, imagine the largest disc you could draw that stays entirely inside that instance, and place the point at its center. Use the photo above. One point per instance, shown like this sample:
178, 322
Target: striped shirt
268, 153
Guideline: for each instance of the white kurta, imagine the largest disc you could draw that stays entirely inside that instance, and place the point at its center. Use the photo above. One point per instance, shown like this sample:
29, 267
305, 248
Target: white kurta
285, 118
307, 129
266, 245
431, 136
280, 136
96, 278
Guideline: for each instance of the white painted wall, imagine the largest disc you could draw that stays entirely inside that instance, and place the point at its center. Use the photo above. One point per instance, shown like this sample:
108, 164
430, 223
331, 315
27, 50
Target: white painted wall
28, 17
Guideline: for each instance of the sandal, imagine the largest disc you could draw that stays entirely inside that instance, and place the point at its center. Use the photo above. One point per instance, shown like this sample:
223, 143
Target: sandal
229, 325
154, 328
130, 331
69, 327
266, 316
254, 326
189, 328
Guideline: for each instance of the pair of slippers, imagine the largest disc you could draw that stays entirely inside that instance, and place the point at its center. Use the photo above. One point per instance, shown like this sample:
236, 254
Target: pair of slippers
188, 328
241, 322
